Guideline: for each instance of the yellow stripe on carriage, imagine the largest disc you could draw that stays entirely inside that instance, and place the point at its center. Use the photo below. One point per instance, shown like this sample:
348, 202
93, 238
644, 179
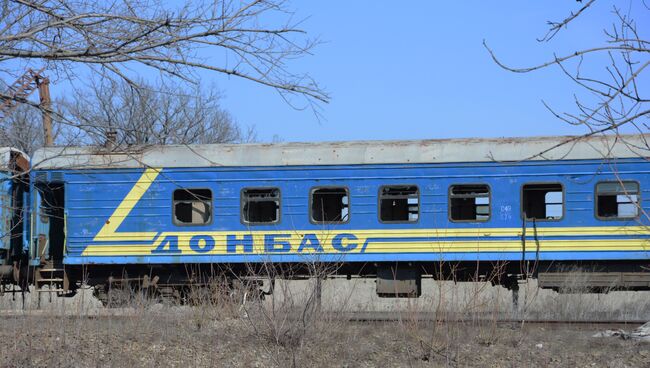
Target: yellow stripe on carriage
108, 232
355, 242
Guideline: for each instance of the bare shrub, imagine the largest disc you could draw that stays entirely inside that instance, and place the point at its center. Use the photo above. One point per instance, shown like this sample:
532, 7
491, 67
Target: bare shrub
438, 325
289, 321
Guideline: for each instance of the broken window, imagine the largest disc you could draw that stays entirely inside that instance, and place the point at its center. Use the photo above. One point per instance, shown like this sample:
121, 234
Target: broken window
260, 206
330, 205
543, 201
399, 203
192, 206
469, 202
617, 199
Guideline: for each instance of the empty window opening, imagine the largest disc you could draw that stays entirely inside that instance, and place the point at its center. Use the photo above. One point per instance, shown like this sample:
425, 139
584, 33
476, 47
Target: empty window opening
192, 206
399, 203
261, 206
617, 200
543, 201
330, 205
469, 202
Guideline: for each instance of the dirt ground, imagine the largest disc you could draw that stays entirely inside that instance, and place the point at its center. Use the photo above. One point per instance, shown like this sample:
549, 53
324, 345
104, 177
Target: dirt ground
185, 340
286, 330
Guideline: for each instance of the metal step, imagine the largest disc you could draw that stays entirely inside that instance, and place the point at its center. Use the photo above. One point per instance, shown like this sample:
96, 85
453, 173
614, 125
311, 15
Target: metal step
51, 280
52, 270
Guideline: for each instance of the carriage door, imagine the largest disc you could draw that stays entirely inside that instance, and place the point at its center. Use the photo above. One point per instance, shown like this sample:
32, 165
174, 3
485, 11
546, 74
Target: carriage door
48, 222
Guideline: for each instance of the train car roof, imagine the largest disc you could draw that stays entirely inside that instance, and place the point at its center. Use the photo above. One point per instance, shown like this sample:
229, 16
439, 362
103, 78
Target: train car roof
19, 159
346, 153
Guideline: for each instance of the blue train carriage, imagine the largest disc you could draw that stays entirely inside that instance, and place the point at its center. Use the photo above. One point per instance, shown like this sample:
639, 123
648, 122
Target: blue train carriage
14, 194
461, 209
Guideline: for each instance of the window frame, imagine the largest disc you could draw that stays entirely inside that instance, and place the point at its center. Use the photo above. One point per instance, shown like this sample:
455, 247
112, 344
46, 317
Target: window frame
381, 187
474, 221
311, 198
241, 207
638, 212
178, 223
521, 201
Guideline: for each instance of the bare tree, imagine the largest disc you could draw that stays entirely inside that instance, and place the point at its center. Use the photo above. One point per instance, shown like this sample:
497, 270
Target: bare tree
251, 39
610, 96
22, 129
163, 114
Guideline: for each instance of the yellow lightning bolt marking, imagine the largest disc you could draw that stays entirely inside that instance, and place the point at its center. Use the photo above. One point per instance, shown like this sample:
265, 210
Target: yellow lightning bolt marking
109, 232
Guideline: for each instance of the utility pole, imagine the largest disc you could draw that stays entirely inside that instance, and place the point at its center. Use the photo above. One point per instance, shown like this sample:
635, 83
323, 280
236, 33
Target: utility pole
46, 108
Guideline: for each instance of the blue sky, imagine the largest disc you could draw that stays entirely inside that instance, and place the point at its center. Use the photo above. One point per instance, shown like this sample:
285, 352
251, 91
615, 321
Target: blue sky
419, 70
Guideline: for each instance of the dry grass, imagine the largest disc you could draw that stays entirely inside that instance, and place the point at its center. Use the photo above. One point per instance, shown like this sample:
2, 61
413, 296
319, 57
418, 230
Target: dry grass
290, 329
167, 338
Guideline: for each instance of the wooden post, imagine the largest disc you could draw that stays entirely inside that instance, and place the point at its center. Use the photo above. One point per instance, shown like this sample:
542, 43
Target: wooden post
46, 109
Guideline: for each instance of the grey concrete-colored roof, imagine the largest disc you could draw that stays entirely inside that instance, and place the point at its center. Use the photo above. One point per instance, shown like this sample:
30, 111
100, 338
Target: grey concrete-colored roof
346, 153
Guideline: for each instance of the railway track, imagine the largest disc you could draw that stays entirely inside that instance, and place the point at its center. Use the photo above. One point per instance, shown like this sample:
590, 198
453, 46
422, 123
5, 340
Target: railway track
357, 317
505, 318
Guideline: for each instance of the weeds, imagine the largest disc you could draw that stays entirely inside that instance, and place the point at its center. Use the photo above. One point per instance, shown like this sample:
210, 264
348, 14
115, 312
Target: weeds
234, 324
